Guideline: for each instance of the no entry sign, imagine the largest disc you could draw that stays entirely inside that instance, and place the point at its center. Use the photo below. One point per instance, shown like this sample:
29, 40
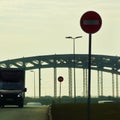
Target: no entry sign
60, 78
90, 22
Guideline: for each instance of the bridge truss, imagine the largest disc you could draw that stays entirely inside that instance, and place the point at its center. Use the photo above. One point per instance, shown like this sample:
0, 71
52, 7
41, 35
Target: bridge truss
100, 63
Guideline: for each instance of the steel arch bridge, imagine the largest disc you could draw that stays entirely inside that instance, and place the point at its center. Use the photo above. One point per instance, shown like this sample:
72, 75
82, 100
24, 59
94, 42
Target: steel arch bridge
100, 63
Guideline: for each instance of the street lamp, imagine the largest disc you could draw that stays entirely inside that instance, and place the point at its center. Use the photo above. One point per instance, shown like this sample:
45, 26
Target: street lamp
34, 82
74, 38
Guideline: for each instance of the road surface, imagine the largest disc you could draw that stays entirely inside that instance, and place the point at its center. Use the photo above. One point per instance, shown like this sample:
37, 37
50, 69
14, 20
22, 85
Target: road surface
26, 113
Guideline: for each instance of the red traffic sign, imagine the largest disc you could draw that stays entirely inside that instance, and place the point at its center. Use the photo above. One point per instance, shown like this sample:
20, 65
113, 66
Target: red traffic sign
60, 78
90, 22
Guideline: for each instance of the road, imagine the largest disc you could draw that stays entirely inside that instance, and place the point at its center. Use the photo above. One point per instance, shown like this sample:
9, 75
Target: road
26, 113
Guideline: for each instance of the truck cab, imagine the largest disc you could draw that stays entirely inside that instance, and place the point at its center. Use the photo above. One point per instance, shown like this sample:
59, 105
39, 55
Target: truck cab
12, 87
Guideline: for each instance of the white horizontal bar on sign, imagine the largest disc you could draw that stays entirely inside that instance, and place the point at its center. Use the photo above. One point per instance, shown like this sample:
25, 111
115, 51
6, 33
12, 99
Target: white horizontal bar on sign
90, 22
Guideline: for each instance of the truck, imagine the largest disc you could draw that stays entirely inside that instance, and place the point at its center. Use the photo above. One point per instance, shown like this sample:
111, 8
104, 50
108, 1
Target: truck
12, 87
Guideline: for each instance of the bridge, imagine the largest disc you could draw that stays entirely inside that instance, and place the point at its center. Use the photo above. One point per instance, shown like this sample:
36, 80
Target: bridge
100, 63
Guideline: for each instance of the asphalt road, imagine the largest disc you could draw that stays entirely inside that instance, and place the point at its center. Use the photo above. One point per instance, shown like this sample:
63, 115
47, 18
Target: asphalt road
26, 113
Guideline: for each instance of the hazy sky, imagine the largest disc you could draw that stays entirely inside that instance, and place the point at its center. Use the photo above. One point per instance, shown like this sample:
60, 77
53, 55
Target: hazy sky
39, 27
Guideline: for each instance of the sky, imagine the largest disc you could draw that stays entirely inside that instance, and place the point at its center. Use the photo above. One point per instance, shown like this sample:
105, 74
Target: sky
39, 27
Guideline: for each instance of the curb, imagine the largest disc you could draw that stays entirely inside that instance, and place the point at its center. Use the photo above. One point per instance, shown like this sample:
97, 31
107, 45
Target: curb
49, 113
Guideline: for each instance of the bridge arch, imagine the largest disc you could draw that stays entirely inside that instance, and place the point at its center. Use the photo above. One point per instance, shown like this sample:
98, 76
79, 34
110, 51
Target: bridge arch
100, 63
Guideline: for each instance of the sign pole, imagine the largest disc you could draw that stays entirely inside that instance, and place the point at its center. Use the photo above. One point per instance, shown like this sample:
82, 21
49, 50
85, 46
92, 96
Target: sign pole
60, 91
60, 79
90, 22
89, 77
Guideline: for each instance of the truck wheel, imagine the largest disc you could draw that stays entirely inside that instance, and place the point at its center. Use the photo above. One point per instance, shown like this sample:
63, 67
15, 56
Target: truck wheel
20, 105
2, 106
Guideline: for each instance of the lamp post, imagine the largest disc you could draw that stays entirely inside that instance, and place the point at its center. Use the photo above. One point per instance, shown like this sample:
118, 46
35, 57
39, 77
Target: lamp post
34, 83
74, 38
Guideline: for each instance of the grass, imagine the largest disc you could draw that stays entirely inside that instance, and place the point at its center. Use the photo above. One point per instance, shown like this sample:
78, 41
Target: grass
108, 111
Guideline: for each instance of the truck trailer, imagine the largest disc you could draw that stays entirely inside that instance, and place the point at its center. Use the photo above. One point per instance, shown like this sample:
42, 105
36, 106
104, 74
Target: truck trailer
12, 87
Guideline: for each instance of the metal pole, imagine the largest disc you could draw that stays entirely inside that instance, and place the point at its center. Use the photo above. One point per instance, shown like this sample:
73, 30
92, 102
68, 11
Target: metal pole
98, 83
55, 82
70, 81
60, 90
86, 83
34, 82
39, 82
89, 78
83, 82
113, 89
60, 94
117, 90
101, 83
74, 70
69, 37
34, 85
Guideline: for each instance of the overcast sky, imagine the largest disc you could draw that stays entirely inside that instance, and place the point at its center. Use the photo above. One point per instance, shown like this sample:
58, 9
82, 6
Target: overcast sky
39, 27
